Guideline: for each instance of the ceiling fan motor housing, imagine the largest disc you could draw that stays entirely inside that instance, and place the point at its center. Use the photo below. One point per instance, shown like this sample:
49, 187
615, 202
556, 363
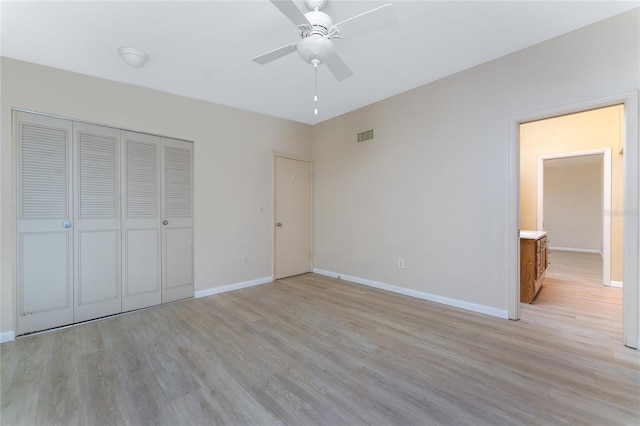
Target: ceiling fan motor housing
320, 22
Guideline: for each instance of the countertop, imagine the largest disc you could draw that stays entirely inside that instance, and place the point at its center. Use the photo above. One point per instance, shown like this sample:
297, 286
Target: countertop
532, 235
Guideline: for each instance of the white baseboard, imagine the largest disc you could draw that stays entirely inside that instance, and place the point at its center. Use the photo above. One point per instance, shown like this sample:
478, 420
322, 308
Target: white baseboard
500, 313
579, 250
616, 284
7, 336
231, 287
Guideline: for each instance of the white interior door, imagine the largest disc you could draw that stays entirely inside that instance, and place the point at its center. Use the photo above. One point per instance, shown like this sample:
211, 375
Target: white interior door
177, 223
97, 221
44, 270
293, 188
141, 285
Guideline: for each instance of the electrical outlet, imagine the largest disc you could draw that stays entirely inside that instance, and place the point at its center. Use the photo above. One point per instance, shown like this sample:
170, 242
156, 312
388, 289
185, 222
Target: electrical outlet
245, 260
400, 263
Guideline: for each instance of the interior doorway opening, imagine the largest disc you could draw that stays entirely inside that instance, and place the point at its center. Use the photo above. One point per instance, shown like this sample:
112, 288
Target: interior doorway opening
627, 214
570, 147
574, 206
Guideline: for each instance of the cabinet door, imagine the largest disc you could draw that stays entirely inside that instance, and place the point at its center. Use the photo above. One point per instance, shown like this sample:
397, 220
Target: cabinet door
177, 214
44, 257
141, 284
97, 221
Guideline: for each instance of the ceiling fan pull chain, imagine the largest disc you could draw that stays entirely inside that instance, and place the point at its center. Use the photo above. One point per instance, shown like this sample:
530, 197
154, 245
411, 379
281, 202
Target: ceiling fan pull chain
315, 93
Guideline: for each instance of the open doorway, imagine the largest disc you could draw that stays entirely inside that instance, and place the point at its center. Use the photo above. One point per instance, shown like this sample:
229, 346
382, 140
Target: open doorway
627, 104
571, 148
574, 204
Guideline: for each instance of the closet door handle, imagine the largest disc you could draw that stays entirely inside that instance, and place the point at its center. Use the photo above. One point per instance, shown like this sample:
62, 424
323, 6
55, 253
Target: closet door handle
165, 222
66, 224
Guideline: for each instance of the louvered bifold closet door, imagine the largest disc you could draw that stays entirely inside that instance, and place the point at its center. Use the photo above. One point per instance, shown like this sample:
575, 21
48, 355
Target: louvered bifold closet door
44, 239
97, 221
177, 214
141, 285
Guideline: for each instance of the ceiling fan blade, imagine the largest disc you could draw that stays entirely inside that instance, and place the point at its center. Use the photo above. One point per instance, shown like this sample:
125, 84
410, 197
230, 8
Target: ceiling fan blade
291, 11
338, 68
373, 20
265, 58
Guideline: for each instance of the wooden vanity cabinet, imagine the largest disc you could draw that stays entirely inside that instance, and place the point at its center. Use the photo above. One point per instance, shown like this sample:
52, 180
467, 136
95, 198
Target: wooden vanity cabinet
534, 260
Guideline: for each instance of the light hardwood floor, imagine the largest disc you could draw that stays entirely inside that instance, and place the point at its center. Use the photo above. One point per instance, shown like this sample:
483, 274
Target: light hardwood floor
314, 350
573, 300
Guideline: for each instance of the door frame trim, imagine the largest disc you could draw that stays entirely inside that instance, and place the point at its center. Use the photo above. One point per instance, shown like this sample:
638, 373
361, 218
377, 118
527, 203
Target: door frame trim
309, 160
631, 179
606, 201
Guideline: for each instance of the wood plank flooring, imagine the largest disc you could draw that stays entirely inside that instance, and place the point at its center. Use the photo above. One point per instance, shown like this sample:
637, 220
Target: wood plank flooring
573, 300
313, 350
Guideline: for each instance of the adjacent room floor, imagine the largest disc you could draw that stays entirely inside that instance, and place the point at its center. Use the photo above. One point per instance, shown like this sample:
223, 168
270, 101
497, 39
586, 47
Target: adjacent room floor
314, 350
574, 300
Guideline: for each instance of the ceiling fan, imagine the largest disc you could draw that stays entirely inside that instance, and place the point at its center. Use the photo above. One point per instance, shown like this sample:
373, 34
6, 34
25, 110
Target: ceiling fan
317, 31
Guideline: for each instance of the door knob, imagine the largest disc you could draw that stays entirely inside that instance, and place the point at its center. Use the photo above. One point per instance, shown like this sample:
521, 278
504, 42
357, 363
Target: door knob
66, 224
279, 225
165, 222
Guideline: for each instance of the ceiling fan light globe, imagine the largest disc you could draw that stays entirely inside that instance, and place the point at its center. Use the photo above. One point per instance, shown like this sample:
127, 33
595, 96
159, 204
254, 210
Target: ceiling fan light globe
315, 47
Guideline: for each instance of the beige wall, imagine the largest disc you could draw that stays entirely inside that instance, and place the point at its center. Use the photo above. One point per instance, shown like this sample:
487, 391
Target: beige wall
232, 169
573, 208
589, 130
432, 186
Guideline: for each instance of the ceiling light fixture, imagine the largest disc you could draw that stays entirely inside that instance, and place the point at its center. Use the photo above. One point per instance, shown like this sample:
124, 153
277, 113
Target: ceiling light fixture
133, 57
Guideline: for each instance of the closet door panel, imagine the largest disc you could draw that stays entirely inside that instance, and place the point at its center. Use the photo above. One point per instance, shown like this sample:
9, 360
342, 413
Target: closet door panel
44, 272
178, 252
97, 225
141, 221
43, 262
97, 275
45, 278
142, 277
177, 213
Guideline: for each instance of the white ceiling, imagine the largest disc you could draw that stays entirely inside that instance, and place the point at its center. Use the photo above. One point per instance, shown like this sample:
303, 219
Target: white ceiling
202, 49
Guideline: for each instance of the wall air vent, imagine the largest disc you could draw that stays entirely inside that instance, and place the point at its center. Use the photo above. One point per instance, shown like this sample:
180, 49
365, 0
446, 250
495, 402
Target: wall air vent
365, 136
